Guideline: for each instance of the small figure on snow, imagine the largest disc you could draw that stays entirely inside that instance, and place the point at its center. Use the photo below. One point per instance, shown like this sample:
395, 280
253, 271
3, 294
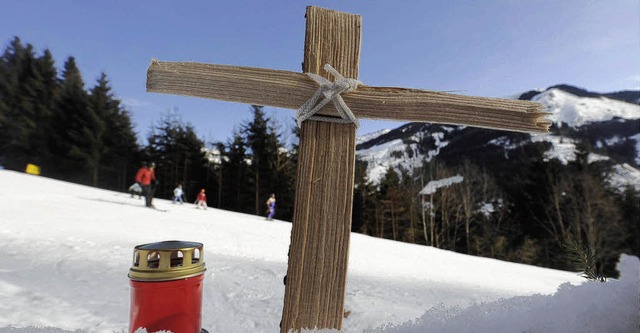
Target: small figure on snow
146, 177
271, 206
201, 200
178, 194
135, 189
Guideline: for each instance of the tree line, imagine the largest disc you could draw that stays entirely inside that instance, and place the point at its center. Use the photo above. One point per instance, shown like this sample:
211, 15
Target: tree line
54, 122
85, 135
526, 209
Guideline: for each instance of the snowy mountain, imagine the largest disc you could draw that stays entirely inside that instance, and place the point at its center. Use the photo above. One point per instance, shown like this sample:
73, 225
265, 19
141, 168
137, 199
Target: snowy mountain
575, 111
608, 124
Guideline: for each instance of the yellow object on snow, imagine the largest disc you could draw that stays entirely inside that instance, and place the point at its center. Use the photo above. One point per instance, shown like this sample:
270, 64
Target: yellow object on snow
33, 169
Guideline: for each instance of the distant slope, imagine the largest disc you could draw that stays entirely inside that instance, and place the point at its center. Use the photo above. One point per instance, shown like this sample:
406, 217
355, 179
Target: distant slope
609, 123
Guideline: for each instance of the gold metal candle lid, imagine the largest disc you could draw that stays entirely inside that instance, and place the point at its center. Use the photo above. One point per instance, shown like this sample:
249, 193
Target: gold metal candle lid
168, 260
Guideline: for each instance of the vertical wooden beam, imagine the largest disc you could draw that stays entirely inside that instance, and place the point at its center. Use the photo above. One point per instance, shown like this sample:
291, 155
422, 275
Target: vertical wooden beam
318, 257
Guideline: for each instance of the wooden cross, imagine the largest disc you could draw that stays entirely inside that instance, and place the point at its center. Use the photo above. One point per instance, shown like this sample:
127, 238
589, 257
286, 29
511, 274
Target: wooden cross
317, 268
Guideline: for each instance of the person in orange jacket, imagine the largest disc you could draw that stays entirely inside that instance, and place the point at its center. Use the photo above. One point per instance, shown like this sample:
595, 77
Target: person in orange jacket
201, 200
146, 177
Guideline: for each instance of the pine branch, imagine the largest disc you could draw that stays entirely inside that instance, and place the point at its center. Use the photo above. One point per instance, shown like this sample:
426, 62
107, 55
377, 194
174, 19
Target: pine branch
583, 258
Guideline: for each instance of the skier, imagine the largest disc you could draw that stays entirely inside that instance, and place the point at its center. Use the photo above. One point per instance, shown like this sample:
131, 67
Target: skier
135, 189
178, 194
146, 177
271, 206
201, 200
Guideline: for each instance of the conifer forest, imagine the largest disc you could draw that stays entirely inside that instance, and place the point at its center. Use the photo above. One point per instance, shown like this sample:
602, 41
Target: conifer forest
548, 214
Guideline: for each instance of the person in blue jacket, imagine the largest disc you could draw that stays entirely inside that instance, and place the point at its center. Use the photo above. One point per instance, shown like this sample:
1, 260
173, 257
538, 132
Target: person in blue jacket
271, 206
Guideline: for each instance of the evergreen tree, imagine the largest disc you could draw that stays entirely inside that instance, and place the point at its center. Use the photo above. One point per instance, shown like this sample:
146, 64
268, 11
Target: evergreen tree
9, 119
55, 124
282, 182
285, 180
364, 201
216, 173
99, 102
179, 156
194, 167
387, 204
118, 145
238, 193
262, 140
28, 88
80, 129
46, 94
19, 99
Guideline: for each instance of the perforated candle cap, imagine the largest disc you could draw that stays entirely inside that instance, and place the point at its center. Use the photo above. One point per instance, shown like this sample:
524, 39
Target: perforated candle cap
168, 260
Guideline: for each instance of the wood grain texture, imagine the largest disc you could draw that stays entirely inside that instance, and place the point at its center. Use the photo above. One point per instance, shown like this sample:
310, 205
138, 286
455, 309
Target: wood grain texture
290, 90
318, 259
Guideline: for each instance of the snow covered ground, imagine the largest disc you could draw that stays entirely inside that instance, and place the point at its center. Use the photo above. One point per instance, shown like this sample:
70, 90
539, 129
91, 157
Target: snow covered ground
65, 251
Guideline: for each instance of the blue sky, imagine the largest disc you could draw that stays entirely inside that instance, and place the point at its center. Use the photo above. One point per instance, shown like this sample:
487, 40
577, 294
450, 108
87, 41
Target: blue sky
493, 48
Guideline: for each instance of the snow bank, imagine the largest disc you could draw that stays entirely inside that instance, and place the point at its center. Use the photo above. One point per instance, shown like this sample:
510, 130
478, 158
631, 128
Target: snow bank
590, 307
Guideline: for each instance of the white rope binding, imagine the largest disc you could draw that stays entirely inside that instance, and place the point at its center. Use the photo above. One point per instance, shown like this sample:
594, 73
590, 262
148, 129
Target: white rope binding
331, 92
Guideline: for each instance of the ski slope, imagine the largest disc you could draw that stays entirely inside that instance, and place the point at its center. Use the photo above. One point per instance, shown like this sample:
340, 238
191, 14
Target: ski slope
65, 251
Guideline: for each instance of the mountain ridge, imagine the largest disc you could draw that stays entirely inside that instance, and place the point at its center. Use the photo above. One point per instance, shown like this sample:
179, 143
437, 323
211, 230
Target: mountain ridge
606, 123
628, 96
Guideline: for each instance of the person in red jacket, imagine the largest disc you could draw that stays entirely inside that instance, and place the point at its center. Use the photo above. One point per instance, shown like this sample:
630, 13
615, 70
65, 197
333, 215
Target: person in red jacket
146, 177
201, 200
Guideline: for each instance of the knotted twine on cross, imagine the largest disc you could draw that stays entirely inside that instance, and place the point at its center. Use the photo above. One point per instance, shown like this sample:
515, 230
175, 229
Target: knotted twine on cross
331, 92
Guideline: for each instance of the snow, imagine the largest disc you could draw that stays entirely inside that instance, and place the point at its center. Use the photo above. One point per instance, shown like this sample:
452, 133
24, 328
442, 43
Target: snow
562, 148
624, 175
434, 185
489, 208
576, 111
380, 157
65, 251
437, 138
371, 136
515, 314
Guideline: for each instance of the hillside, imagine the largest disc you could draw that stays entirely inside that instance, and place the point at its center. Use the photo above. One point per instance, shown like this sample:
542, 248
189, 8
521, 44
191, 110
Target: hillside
65, 251
523, 196
608, 122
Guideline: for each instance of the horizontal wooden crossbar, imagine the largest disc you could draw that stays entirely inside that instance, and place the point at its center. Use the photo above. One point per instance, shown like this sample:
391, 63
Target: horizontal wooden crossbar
289, 90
